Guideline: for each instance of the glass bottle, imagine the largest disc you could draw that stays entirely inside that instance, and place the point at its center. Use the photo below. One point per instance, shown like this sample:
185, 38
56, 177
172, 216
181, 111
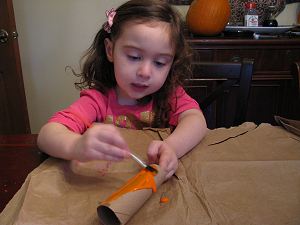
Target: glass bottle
251, 15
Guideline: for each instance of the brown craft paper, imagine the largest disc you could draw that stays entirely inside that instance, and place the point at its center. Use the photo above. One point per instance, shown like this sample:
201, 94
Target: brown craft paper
99, 168
248, 174
120, 210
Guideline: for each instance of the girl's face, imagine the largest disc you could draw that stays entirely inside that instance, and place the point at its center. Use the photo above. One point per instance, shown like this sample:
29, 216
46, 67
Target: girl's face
142, 55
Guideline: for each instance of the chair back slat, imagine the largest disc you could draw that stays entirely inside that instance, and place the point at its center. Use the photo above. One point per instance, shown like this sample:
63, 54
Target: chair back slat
227, 75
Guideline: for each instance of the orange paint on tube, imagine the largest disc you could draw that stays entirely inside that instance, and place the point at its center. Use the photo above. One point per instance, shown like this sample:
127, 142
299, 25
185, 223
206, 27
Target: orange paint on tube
143, 180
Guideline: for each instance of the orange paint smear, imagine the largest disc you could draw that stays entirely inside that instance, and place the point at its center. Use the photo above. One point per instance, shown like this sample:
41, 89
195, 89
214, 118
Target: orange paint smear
143, 180
164, 199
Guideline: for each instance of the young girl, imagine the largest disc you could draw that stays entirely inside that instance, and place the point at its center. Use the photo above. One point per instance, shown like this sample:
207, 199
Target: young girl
132, 77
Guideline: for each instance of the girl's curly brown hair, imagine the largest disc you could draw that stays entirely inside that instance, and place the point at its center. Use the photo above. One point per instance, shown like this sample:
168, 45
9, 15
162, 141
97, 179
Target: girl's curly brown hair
98, 72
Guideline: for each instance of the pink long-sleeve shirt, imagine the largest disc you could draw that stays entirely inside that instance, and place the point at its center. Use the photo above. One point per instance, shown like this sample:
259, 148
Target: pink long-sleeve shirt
93, 106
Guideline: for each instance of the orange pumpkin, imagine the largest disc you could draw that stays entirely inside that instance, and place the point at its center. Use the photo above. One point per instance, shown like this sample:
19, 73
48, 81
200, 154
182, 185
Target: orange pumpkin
208, 17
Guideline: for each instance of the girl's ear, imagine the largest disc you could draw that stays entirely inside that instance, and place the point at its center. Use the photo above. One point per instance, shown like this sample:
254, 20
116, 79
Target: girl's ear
109, 49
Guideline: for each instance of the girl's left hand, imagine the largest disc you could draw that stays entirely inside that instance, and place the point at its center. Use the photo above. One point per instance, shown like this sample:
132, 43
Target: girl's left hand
160, 152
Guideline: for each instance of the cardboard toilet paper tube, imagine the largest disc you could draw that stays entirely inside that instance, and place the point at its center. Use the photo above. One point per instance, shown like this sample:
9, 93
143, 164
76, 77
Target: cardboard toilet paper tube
126, 201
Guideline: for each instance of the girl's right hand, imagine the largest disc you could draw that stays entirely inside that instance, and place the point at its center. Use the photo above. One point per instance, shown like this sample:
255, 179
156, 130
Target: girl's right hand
101, 142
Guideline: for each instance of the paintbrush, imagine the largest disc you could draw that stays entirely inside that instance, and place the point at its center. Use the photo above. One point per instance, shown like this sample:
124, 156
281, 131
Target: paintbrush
143, 164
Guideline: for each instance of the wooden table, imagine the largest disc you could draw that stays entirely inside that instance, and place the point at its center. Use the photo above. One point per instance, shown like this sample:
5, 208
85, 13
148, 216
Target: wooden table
19, 155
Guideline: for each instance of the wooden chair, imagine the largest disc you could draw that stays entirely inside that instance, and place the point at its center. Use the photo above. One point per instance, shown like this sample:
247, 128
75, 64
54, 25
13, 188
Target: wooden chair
296, 76
295, 70
222, 91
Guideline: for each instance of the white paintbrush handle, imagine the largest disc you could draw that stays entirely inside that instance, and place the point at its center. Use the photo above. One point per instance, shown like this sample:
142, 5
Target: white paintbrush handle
138, 160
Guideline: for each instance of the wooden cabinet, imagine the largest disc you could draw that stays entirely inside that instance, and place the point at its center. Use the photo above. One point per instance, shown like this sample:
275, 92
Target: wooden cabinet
273, 89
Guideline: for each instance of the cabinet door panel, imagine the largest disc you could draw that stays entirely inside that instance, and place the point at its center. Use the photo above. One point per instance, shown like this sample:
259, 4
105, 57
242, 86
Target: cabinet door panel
265, 60
264, 102
269, 98
274, 89
220, 113
203, 55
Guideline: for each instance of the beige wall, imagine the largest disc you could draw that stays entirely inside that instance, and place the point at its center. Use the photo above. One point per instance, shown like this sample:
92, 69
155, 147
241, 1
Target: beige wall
54, 34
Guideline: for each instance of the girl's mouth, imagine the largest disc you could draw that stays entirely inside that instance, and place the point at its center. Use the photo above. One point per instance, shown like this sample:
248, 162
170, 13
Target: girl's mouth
139, 87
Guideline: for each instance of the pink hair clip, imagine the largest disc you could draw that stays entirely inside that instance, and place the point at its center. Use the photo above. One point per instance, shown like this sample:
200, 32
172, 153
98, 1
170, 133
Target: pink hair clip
110, 14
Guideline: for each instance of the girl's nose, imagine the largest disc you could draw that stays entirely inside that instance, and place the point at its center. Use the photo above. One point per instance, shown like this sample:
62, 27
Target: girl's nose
144, 69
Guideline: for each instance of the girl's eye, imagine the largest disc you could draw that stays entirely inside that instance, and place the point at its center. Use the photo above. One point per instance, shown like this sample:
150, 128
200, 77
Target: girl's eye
159, 64
133, 57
